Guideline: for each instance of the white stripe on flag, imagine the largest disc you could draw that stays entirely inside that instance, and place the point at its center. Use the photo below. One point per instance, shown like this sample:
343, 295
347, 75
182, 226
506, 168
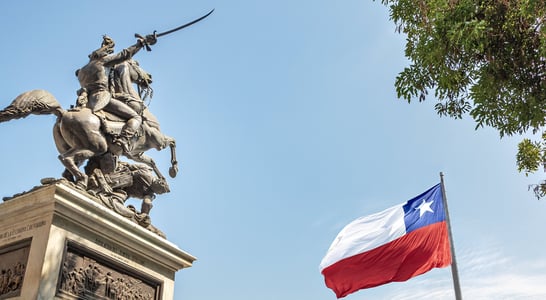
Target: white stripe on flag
366, 233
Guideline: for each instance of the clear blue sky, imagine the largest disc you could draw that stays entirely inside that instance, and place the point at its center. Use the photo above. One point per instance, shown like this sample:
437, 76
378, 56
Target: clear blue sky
288, 128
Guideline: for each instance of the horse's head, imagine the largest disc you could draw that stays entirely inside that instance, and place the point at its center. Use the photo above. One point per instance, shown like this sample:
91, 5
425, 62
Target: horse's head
138, 75
128, 73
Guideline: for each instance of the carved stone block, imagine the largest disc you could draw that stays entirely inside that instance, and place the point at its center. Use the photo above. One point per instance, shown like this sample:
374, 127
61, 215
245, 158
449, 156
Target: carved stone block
87, 274
13, 262
59, 243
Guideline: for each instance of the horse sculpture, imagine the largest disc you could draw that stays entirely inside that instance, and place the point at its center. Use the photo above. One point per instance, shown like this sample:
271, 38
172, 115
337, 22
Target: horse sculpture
81, 134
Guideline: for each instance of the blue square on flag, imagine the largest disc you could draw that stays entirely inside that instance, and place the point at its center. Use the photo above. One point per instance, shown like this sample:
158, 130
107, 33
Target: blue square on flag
424, 209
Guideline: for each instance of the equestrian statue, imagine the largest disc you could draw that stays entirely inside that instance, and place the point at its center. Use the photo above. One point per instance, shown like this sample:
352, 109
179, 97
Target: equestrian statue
108, 120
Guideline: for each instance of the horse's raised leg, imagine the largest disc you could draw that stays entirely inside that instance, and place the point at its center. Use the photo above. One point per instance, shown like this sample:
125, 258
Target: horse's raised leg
161, 141
173, 170
140, 157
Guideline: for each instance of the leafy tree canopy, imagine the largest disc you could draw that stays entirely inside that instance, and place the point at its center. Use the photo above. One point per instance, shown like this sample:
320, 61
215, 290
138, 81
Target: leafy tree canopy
485, 58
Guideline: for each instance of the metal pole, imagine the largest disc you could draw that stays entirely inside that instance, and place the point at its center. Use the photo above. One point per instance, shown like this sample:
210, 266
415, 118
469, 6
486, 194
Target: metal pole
454, 271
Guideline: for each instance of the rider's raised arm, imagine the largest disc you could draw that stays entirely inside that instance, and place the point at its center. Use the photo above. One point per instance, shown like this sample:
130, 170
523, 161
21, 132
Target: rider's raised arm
123, 55
128, 52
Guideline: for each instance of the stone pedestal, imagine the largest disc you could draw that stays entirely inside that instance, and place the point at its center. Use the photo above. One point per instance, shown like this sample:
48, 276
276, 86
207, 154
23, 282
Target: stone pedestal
59, 243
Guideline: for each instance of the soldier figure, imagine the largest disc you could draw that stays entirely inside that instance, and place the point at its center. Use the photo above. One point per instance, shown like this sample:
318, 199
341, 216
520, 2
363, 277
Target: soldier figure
94, 82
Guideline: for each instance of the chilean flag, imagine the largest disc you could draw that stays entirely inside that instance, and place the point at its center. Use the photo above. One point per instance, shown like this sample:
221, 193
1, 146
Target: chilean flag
396, 244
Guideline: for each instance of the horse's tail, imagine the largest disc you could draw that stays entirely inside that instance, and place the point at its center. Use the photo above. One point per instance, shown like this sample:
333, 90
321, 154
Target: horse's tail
38, 102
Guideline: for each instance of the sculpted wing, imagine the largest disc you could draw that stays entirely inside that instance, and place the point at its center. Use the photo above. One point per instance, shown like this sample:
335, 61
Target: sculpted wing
38, 102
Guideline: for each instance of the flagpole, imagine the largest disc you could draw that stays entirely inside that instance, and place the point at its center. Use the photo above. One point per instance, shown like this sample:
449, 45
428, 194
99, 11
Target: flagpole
454, 271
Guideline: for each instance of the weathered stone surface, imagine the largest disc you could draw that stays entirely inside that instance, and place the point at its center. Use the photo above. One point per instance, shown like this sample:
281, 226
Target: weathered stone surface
54, 230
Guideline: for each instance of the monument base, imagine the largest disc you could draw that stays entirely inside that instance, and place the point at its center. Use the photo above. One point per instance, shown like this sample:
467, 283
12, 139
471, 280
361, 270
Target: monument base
57, 242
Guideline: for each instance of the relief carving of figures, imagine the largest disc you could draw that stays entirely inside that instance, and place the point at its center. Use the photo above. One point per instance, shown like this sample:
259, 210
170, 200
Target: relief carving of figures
11, 279
95, 281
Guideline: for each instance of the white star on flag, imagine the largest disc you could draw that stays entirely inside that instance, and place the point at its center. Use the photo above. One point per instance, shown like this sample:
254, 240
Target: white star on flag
424, 207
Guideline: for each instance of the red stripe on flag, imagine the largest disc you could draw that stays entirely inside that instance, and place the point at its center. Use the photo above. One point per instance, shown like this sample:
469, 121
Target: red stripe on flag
410, 255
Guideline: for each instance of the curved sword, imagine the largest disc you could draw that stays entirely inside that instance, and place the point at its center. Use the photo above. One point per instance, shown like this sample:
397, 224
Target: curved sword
156, 35
183, 26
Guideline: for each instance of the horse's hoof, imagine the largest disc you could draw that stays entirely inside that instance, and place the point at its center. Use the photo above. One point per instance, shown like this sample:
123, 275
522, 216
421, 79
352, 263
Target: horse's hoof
173, 171
82, 183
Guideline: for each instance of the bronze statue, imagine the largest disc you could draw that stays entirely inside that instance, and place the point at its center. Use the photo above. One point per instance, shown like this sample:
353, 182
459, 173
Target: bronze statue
94, 79
109, 119
79, 133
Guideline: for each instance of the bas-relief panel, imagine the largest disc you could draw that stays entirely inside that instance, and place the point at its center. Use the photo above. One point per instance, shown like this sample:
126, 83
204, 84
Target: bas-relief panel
13, 262
86, 274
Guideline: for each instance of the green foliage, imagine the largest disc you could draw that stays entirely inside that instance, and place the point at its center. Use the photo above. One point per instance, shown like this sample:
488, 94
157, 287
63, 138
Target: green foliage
529, 156
486, 58
483, 58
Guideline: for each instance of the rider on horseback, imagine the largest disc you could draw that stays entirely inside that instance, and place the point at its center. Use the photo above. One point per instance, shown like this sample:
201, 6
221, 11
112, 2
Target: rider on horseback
94, 82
